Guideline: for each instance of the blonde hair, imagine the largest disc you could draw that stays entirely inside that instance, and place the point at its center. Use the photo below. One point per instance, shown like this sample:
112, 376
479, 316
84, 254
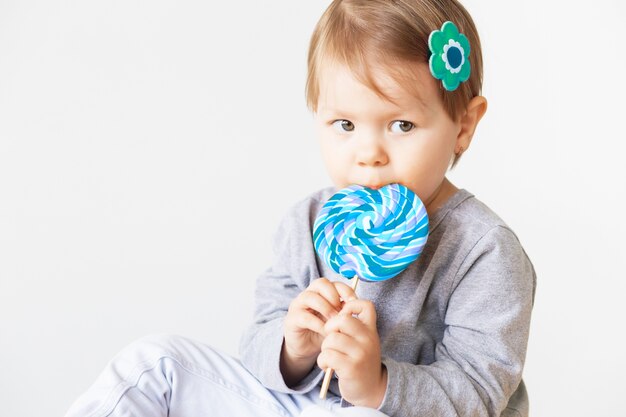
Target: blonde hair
391, 34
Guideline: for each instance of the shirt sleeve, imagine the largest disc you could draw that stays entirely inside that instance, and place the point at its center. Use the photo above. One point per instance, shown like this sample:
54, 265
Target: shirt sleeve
479, 361
291, 272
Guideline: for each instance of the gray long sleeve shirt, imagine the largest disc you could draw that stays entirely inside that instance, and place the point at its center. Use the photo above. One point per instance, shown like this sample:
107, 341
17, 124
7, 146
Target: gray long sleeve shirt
453, 326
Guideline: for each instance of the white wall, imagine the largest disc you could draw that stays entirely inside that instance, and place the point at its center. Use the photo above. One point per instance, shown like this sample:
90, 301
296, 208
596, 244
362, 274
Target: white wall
147, 148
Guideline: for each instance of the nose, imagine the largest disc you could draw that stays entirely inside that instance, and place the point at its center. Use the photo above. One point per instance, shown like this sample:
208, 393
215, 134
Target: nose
371, 152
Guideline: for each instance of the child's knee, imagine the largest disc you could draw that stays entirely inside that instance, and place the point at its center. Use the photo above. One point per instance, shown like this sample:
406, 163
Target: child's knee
181, 349
165, 342
150, 348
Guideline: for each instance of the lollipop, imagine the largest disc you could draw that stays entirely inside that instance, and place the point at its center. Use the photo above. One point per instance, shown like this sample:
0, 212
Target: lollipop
370, 234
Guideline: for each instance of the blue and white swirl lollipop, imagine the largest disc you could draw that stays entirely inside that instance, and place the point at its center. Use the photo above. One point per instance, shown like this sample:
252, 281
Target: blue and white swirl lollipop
371, 234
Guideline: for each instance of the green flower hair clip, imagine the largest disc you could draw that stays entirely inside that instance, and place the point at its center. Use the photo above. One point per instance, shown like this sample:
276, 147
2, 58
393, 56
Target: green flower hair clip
449, 61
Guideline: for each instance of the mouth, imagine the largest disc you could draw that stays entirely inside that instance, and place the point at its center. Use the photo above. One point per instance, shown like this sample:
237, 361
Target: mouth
378, 186
375, 186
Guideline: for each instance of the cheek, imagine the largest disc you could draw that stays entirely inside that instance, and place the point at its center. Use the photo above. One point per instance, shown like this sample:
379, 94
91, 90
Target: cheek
326, 148
422, 154
423, 165
437, 146
332, 156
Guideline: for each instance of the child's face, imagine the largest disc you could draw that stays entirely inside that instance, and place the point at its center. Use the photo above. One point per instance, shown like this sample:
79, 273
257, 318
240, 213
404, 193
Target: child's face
370, 141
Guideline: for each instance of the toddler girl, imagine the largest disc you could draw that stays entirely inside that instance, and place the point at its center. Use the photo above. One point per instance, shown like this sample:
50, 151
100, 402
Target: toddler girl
395, 89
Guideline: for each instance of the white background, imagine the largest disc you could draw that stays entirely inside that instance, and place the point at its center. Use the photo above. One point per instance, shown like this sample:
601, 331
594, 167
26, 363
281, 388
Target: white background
149, 148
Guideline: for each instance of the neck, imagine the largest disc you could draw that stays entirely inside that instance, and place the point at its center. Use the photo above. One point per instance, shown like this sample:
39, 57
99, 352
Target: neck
442, 193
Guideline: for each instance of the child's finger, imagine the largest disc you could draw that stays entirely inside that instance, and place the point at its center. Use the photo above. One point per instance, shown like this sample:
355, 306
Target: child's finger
350, 326
363, 308
316, 302
345, 291
342, 343
327, 290
330, 358
309, 321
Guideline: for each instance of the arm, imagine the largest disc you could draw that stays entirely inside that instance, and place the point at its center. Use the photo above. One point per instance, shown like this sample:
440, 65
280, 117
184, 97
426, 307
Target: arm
480, 359
262, 346
293, 368
292, 304
262, 342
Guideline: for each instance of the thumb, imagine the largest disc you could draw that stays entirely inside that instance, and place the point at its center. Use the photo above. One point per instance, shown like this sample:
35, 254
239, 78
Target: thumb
364, 309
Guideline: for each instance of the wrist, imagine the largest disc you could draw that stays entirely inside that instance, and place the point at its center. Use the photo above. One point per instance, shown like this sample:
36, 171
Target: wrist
377, 395
294, 355
293, 367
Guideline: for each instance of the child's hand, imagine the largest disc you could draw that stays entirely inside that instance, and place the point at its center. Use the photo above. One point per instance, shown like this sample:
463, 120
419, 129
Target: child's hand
352, 349
304, 325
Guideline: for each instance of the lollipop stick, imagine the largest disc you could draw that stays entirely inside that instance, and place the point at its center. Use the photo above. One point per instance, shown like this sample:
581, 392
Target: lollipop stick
329, 371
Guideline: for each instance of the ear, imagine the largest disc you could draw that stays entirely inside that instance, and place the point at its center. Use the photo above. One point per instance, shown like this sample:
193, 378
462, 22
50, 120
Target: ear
475, 111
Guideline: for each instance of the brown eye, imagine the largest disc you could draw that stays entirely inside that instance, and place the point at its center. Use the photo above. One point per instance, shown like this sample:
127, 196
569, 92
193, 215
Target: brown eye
403, 125
344, 125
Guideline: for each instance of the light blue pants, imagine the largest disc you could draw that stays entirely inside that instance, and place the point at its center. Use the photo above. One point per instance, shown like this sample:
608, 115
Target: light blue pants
173, 376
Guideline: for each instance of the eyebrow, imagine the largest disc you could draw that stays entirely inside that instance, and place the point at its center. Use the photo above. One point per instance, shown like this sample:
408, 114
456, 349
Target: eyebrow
347, 113
330, 110
421, 103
